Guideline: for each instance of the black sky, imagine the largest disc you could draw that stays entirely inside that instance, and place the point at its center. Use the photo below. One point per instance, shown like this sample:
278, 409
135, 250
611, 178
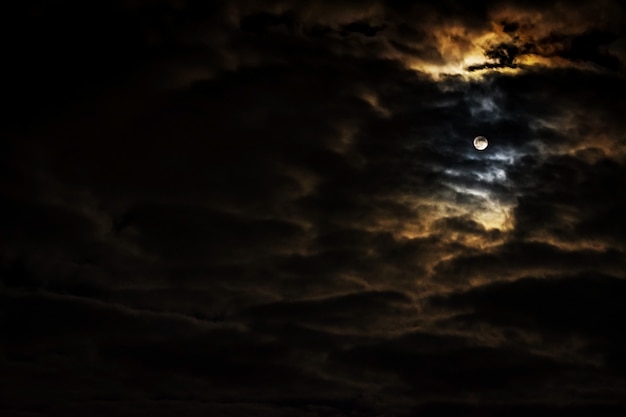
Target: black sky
274, 208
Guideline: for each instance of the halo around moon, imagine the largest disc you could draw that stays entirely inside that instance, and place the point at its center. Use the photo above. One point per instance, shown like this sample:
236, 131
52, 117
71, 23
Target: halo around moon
480, 143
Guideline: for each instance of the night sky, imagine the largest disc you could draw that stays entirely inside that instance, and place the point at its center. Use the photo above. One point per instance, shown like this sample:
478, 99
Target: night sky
275, 209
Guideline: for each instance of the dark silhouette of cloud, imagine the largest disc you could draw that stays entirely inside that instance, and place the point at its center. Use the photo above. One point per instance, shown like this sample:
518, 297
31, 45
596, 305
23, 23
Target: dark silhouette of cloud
587, 307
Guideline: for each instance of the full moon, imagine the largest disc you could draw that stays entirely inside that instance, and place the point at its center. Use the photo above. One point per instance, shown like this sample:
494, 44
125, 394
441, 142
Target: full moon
480, 143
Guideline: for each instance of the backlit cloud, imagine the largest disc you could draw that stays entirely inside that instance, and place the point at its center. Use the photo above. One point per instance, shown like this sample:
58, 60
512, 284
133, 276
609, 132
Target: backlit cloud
275, 209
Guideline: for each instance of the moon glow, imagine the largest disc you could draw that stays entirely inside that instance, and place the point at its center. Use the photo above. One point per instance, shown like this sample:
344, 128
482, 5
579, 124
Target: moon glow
480, 143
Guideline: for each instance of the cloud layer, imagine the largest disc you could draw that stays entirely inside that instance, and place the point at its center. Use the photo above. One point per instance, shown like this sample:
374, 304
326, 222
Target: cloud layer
274, 208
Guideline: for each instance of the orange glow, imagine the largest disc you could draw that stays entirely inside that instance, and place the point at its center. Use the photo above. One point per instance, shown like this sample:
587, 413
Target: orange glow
461, 47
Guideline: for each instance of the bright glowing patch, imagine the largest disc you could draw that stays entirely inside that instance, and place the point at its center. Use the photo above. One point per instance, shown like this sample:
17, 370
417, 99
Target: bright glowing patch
480, 143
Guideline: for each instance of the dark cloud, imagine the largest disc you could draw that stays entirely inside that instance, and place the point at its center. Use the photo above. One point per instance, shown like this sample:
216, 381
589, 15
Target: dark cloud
467, 371
587, 307
513, 259
360, 311
503, 302
274, 208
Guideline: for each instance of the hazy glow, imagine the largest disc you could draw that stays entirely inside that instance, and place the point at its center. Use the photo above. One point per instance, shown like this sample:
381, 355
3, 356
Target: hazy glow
462, 48
491, 176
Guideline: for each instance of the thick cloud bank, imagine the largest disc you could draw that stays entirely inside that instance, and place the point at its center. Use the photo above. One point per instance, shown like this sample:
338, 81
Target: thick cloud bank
274, 208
